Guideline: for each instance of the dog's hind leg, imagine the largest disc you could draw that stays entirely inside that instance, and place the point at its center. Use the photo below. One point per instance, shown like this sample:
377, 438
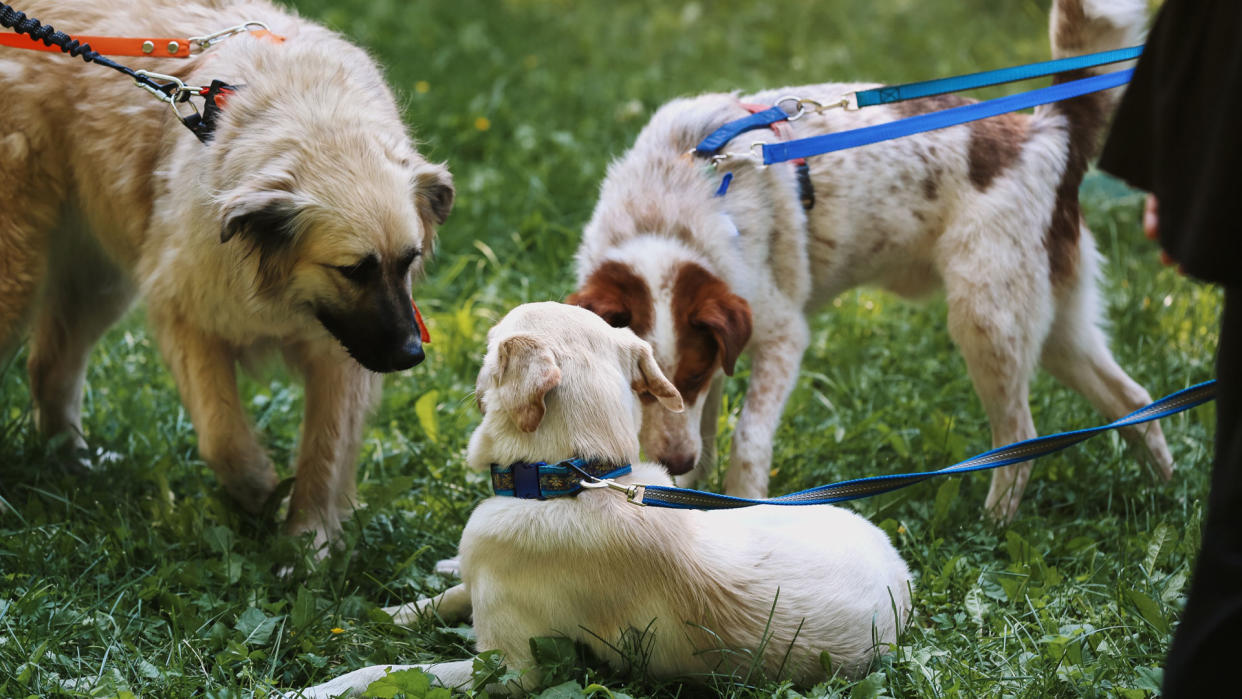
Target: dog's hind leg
205, 369
457, 674
85, 293
1077, 354
339, 395
25, 218
999, 324
451, 605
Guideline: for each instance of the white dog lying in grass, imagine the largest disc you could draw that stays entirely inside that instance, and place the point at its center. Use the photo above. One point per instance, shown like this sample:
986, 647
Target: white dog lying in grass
768, 588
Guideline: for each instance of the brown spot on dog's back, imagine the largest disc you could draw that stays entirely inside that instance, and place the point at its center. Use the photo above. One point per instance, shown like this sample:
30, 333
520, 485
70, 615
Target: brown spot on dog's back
618, 295
923, 105
995, 144
930, 188
712, 326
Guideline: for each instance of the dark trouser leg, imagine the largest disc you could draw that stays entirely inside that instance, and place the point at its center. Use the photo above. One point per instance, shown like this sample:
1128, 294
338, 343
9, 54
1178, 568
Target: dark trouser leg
1209, 638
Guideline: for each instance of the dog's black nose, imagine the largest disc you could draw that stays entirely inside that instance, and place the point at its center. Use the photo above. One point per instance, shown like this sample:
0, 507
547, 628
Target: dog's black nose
408, 355
678, 464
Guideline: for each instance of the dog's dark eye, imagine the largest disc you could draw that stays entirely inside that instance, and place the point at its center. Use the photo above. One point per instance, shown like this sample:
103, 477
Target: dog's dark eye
362, 271
408, 259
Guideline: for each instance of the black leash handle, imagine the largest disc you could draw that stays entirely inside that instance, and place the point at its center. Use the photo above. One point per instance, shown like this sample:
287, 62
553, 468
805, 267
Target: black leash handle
20, 23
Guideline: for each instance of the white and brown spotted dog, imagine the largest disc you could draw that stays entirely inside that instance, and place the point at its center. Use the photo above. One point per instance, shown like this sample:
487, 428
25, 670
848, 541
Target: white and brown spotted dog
986, 211
294, 232
769, 588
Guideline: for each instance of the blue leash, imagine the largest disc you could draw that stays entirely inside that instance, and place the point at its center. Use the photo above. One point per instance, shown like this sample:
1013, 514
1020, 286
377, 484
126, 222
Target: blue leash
818, 145
685, 498
827, 143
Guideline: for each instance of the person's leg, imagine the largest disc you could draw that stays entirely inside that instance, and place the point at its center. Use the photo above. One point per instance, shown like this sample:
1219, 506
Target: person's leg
1209, 637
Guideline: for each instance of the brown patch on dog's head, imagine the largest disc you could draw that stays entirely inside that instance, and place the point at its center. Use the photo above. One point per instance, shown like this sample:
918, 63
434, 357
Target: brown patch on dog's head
712, 324
995, 144
618, 295
524, 372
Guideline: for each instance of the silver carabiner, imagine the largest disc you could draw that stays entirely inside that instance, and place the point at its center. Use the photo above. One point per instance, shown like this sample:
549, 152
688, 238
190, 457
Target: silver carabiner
179, 86
202, 43
173, 98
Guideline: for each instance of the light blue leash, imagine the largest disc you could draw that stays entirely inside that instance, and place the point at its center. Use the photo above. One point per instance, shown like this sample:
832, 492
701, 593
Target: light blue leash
827, 143
685, 498
987, 78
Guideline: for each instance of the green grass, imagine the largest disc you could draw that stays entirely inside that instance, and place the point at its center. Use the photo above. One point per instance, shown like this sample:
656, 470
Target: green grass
138, 577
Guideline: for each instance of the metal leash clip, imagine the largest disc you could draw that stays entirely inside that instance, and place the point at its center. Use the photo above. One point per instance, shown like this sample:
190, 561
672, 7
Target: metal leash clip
174, 93
633, 493
754, 156
803, 106
202, 43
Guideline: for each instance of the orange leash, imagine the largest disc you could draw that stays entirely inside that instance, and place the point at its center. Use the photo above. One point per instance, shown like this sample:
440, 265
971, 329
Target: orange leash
153, 47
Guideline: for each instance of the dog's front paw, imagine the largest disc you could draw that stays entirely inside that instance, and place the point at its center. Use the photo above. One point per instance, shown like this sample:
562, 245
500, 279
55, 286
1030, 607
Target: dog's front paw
449, 566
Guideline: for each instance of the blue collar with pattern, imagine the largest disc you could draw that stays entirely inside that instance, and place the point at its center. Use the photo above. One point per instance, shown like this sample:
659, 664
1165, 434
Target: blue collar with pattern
539, 480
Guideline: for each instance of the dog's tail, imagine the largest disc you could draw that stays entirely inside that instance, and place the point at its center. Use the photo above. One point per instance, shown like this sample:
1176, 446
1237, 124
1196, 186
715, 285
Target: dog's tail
1089, 26
1078, 27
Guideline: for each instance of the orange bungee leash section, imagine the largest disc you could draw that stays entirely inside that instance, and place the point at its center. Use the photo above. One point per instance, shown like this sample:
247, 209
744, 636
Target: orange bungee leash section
169, 47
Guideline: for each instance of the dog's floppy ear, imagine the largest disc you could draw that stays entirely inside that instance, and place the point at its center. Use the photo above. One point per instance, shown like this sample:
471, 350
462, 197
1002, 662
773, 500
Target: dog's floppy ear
266, 216
646, 377
727, 317
613, 292
525, 372
434, 194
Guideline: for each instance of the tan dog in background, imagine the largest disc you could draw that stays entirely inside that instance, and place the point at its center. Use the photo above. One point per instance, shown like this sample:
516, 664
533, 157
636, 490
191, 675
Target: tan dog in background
294, 231
768, 589
987, 212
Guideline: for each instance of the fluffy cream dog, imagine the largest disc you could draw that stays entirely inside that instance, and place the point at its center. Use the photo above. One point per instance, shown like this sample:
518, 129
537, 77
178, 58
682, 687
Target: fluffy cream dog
294, 231
558, 383
988, 212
